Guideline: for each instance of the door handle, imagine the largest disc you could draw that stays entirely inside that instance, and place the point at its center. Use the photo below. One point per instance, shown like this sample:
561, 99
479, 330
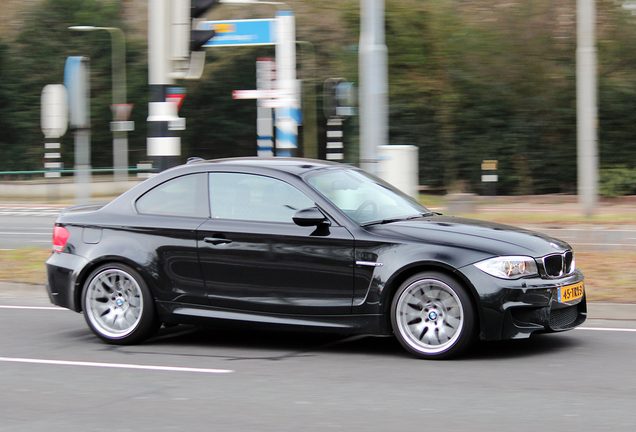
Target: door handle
217, 240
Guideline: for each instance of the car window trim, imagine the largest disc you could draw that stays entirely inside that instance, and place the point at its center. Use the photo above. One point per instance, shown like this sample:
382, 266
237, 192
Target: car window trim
207, 195
260, 175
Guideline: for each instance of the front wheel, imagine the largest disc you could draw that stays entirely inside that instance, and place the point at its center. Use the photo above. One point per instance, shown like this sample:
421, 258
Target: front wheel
432, 316
118, 305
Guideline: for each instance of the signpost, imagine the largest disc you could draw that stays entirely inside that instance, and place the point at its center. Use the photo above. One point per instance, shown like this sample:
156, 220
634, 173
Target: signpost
489, 176
54, 111
76, 82
54, 121
240, 32
280, 31
265, 80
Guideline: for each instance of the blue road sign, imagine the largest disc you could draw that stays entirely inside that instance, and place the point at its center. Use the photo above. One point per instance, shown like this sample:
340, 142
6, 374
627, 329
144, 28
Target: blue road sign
240, 32
76, 75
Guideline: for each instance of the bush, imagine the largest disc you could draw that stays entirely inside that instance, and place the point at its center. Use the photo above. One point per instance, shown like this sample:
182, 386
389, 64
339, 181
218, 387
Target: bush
617, 181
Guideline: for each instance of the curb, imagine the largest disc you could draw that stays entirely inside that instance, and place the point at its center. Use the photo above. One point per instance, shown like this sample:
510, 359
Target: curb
21, 289
611, 311
595, 310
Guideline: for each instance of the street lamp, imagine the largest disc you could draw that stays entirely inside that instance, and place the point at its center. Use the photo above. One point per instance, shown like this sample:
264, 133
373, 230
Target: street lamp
120, 109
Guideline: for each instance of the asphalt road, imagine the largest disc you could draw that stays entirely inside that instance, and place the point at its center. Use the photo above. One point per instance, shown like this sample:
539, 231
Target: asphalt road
26, 226
56, 376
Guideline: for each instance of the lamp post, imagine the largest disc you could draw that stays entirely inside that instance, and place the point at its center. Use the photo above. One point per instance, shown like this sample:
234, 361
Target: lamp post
120, 109
310, 129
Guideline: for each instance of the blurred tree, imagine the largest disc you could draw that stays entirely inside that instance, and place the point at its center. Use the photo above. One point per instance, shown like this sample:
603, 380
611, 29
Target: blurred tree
38, 58
468, 80
8, 152
217, 125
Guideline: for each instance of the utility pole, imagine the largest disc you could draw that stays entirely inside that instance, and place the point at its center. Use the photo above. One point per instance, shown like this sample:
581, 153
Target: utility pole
586, 106
286, 120
374, 78
174, 52
163, 145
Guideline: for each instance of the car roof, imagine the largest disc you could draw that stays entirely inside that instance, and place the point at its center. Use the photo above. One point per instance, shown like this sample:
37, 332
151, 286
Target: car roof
296, 166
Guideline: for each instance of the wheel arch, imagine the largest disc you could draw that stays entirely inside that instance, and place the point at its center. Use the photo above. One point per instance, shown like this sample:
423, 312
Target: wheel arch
398, 278
111, 259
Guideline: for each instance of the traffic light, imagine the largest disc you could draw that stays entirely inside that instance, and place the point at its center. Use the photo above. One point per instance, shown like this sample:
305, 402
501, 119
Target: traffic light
199, 37
339, 98
346, 99
185, 40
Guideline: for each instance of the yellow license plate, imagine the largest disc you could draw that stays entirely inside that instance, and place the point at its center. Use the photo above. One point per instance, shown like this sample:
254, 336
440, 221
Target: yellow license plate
571, 292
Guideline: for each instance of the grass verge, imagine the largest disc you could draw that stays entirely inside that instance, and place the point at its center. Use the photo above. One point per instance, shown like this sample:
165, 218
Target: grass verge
609, 276
555, 220
24, 265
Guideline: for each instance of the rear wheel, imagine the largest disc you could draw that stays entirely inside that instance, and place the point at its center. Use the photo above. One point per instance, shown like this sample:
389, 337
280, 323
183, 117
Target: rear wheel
433, 316
118, 305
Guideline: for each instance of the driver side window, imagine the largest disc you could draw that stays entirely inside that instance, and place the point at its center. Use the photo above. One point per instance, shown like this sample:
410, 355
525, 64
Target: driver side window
254, 197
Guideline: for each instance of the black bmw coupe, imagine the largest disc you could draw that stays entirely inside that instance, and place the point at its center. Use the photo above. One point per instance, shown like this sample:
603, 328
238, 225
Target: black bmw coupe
310, 244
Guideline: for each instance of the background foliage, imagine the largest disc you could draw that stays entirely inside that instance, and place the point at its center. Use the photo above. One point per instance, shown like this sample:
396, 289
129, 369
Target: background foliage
469, 80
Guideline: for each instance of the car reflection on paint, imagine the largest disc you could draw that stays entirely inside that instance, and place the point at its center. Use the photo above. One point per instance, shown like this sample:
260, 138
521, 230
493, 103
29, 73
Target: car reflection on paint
310, 244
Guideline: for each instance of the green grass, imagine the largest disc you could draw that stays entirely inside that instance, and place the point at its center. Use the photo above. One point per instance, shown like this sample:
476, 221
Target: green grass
559, 216
557, 219
609, 276
24, 265
432, 200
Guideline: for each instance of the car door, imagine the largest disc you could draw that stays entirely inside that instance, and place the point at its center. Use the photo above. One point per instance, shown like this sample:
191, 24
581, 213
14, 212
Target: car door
164, 230
255, 258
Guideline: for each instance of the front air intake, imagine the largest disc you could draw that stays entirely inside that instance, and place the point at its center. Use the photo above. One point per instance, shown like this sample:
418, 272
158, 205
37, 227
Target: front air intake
553, 264
561, 319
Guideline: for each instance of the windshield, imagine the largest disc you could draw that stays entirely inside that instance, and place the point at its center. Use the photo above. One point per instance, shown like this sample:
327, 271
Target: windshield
364, 198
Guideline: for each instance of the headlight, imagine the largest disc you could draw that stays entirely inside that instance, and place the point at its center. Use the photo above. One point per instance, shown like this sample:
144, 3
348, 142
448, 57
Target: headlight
509, 267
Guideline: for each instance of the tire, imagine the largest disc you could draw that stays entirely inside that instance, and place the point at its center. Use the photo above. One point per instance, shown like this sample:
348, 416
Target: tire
118, 305
432, 316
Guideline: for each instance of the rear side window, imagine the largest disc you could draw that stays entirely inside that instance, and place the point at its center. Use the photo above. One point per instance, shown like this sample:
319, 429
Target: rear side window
182, 196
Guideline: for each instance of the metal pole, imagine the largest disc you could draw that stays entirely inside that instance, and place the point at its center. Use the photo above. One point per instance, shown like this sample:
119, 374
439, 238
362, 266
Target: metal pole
310, 116
265, 79
83, 180
286, 123
586, 106
118, 72
120, 138
374, 95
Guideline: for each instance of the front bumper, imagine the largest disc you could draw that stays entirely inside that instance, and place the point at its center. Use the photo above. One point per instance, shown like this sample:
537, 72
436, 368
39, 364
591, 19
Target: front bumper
62, 272
516, 309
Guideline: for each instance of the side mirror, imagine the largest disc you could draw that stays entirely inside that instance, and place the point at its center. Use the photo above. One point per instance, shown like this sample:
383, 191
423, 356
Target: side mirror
309, 217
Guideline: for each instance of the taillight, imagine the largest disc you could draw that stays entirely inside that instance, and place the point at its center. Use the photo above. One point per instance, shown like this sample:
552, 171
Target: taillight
60, 237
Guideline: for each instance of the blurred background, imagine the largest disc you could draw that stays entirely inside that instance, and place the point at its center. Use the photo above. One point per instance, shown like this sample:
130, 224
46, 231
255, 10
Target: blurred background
469, 80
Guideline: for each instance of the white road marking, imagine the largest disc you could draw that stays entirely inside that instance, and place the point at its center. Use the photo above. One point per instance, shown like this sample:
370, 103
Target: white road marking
114, 365
50, 234
601, 244
607, 329
34, 307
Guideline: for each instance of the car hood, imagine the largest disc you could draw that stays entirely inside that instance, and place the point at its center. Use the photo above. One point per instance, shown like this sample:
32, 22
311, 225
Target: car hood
493, 238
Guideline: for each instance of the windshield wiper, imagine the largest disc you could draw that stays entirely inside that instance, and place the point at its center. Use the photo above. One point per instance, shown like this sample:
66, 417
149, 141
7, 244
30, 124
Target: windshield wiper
397, 219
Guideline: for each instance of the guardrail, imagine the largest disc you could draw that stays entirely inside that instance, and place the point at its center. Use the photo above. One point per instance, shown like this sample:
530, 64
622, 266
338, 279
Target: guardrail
33, 184
69, 171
